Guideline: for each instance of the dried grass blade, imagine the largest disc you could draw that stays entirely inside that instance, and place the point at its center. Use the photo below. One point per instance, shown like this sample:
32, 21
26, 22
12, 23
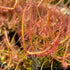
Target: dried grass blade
7, 40
24, 46
65, 39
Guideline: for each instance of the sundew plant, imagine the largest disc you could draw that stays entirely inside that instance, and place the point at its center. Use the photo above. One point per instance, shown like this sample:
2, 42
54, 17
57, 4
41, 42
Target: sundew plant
34, 31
